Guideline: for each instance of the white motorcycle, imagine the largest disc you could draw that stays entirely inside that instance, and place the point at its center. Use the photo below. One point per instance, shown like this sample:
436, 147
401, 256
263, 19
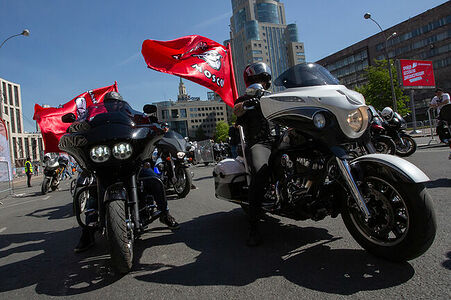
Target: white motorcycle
382, 198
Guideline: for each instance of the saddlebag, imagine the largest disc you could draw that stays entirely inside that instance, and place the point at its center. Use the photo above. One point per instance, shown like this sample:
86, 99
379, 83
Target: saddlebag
230, 180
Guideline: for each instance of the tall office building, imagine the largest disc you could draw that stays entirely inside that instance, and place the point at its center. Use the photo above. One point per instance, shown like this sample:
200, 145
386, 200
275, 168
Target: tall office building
22, 144
259, 33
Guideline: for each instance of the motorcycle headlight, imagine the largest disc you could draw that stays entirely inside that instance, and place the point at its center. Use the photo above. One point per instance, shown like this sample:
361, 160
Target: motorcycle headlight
122, 151
319, 120
355, 120
180, 155
100, 154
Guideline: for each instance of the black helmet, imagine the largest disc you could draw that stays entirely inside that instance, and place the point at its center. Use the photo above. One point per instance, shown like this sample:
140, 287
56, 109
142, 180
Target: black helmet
258, 72
113, 96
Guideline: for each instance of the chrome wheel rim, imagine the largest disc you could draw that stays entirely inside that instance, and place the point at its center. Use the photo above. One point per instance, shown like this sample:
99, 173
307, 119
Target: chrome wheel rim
389, 222
179, 186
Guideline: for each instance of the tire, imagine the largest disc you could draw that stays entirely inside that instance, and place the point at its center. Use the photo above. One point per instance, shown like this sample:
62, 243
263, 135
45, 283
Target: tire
182, 191
384, 145
412, 146
45, 186
120, 239
73, 185
410, 204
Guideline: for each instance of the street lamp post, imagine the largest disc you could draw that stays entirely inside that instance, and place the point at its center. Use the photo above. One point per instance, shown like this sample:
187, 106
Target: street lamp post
395, 105
25, 32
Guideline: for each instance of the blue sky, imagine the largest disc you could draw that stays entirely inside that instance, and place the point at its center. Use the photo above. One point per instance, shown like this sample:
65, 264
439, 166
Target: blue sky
77, 45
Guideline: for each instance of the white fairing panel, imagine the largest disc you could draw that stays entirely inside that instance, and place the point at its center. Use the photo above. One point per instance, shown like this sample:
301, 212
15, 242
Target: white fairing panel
335, 98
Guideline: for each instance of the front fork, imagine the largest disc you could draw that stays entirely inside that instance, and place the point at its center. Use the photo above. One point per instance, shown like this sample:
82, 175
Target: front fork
345, 170
133, 201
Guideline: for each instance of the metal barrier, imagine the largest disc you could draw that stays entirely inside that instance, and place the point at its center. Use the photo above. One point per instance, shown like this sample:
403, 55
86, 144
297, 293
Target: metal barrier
417, 125
204, 152
5, 180
432, 125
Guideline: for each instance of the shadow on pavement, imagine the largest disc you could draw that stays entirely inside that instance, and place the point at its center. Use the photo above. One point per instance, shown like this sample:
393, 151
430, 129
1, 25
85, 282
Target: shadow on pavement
47, 260
225, 260
203, 178
53, 213
442, 182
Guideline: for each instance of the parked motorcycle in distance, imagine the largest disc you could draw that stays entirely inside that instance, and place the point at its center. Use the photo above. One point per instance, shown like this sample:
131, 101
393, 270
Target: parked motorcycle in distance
112, 147
382, 143
395, 127
382, 198
52, 173
173, 167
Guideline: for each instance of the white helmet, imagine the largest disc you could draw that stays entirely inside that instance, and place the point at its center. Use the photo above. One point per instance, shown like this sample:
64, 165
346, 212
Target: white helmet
387, 113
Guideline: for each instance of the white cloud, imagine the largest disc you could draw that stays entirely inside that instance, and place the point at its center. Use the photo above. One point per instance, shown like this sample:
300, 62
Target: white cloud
128, 60
212, 20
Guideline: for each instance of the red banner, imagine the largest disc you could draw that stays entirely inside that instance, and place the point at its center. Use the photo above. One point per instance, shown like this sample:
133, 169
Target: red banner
195, 58
49, 118
417, 73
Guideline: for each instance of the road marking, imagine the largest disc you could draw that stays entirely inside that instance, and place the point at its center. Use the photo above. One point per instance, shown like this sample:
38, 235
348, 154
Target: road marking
2, 229
15, 204
433, 150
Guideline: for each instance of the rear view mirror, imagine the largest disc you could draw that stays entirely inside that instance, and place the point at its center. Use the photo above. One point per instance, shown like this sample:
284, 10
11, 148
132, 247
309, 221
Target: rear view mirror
149, 109
255, 90
68, 118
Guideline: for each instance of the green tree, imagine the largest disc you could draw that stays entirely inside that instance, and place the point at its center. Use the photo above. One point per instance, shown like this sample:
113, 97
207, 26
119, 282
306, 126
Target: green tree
200, 134
222, 131
232, 119
377, 91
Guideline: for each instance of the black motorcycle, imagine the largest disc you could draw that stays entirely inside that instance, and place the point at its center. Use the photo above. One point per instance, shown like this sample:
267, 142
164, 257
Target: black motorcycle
172, 166
374, 134
382, 143
53, 168
113, 146
382, 198
395, 129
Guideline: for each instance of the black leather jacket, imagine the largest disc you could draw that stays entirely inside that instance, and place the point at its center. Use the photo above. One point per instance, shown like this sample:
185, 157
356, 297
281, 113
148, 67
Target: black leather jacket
255, 126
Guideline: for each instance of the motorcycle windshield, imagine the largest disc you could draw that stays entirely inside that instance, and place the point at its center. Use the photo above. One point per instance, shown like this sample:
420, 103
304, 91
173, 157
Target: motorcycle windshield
305, 75
116, 110
174, 140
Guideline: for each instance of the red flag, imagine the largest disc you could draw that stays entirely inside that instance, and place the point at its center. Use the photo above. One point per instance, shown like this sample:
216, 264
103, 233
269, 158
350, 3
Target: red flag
195, 58
49, 118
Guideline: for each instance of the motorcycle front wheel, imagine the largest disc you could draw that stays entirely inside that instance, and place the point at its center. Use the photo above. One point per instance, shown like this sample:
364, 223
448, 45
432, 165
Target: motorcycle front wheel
402, 225
384, 145
183, 184
406, 146
45, 186
119, 236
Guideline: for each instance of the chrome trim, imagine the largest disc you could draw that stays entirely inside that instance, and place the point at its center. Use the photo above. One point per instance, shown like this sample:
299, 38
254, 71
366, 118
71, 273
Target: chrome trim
346, 172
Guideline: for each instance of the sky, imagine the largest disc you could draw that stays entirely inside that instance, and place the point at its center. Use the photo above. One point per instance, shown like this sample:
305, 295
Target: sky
75, 46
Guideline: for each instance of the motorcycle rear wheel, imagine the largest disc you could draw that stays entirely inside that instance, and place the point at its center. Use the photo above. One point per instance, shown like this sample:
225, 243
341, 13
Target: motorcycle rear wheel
119, 236
409, 148
402, 226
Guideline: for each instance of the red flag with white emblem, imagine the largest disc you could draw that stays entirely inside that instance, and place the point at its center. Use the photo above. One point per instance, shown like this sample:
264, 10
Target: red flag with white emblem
195, 58
49, 118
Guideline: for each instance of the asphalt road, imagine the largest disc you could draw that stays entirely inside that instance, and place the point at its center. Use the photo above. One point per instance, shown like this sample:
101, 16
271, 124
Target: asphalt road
207, 257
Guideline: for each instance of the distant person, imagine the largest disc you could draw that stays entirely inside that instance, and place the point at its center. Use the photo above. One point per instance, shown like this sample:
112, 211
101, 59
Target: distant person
234, 135
36, 169
438, 102
28, 171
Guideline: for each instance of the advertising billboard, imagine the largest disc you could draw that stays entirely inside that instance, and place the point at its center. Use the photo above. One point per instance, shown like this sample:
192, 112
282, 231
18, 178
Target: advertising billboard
416, 74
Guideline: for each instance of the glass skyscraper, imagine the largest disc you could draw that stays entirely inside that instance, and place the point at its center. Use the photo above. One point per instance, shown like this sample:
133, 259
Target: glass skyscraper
259, 33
